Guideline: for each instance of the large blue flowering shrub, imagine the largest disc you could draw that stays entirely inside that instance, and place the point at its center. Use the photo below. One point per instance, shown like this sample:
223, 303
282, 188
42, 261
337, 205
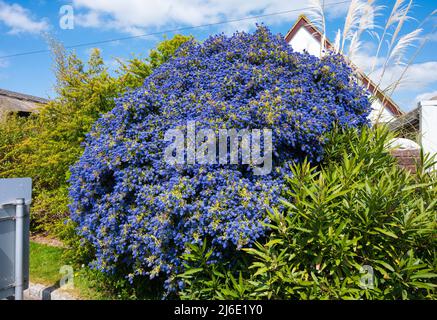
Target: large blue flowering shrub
138, 212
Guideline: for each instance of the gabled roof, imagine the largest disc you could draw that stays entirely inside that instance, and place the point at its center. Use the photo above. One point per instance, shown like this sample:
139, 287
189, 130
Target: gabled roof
304, 22
19, 102
22, 96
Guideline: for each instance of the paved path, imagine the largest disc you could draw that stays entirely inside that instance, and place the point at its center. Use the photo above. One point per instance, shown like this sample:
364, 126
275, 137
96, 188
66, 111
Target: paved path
42, 292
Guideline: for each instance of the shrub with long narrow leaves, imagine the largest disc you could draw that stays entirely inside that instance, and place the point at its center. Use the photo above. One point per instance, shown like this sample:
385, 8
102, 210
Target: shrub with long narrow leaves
356, 227
361, 227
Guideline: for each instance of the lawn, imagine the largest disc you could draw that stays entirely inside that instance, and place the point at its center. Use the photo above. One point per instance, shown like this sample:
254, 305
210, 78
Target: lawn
45, 264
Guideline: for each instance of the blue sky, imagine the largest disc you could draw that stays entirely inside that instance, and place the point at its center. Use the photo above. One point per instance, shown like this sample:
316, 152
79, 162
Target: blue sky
22, 24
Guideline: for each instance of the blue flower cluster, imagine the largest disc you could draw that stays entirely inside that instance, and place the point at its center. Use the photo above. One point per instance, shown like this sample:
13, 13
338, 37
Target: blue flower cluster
139, 212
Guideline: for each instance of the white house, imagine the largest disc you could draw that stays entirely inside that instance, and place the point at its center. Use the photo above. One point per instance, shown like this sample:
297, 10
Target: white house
428, 125
305, 36
420, 122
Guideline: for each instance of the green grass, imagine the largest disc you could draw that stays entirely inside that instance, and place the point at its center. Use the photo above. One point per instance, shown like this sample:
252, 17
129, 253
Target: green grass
45, 264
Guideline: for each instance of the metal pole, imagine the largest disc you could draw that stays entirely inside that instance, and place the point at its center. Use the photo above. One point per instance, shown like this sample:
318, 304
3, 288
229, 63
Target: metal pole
19, 235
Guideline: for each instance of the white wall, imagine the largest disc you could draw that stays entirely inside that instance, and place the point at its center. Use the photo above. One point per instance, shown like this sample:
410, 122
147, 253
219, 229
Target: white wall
304, 40
428, 126
379, 113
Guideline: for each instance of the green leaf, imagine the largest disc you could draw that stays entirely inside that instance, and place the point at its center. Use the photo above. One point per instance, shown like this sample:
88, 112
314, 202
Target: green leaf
387, 233
424, 276
424, 285
385, 265
271, 243
192, 271
261, 271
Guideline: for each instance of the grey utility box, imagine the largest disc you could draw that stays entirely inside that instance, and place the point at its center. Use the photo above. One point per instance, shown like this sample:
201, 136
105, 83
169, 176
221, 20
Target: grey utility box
15, 199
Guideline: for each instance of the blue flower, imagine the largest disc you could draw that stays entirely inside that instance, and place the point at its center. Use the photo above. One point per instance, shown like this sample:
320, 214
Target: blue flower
139, 213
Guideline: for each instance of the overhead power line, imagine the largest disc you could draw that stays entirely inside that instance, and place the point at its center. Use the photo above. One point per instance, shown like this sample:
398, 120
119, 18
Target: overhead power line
88, 44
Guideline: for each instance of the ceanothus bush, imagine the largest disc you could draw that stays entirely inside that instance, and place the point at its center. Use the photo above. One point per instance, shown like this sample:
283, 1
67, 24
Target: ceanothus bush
138, 212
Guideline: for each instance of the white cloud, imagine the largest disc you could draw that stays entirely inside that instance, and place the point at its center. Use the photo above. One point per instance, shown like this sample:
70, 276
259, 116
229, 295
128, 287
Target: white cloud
432, 37
417, 76
366, 62
138, 16
337, 11
19, 19
426, 96
88, 20
419, 81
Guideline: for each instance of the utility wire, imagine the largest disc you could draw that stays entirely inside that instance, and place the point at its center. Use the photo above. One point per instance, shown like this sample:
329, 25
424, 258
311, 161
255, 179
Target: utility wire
87, 44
